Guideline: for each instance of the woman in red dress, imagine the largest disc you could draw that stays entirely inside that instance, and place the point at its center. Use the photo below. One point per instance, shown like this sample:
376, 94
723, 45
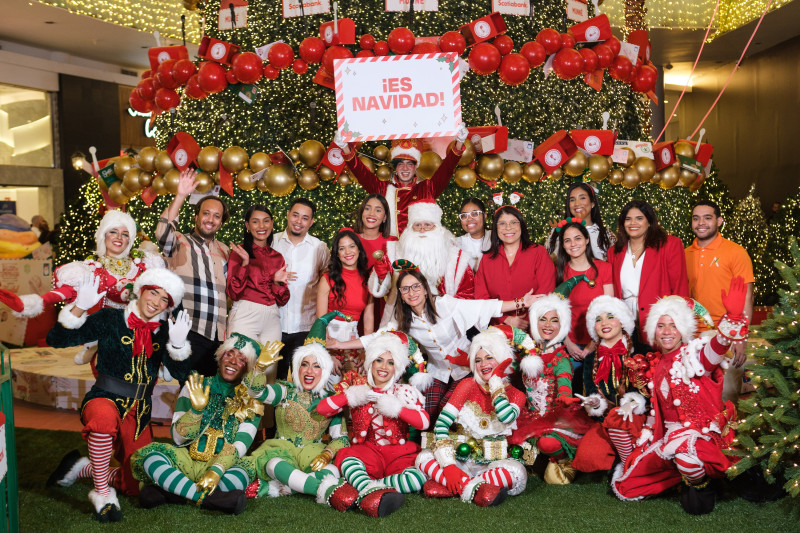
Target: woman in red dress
372, 224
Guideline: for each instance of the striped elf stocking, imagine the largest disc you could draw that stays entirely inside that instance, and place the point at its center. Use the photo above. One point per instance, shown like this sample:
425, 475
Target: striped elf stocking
622, 441
355, 473
235, 478
295, 479
499, 477
165, 475
692, 468
408, 481
432, 469
329, 470
113, 474
101, 445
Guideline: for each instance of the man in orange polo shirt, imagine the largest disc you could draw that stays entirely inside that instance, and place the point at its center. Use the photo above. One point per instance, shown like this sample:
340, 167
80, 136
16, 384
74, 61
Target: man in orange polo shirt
711, 262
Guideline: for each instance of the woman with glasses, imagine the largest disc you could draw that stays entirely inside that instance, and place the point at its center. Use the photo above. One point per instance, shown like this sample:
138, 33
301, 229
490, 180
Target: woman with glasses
513, 266
475, 240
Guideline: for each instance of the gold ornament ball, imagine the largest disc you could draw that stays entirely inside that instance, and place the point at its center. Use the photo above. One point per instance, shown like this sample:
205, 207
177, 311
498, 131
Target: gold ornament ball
127, 192
472, 443
512, 172
631, 157
131, 180
630, 177
598, 167
163, 162
557, 174
311, 153
147, 158
669, 177
347, 178
145, 179
615, 176
204, 182
280, 179
259, 161
687, 178
308, 179
262, 185
171, 180
532, 172
214, 177
294, 155
122, 165
116, 194
367, 162
646, 168
490, 166
384, 172
465, 177
576, 164
234, 159
469, 153
326, 173
684, 148
428, 164
208, 159
656, 179
159, 186
381, 152
694, 187
244, 179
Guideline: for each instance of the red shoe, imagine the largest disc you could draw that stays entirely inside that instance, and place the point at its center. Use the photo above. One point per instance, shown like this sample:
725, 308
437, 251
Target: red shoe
381, 502
432, 489
488, 495
343, 498
251, 491
11, 300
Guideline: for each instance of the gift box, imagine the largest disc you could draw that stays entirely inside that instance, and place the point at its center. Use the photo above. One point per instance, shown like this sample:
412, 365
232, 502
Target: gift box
641, 39
160, 54
594, 142
183, 150
703, 155
593, 30
216, 50
483, 29
489, 139
664, 154
333, 159
346, 33
555, 151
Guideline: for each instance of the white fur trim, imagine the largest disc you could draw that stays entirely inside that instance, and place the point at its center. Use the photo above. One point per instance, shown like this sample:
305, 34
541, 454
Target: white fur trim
470, 488
445, 455
86, 353
495, 383
423, 457
422, 381
398, 151
32, 305
457, 265
378, 288
531, 365
518, 474
371, 487
324, 486
548, 303
161, 277
493, 341
72, 475
609, 304
276, 489
597, 411
100, 501
357, 395
153, 260
70, 321
387, 342
323, 358
676, 308
114, 219
71, 274
640, 404
389, 406
179, 354
391, 199
424, 212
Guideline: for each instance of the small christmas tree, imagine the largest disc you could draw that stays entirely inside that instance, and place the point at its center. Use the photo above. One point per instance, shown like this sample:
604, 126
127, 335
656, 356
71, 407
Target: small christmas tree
769, 436
78, 225
748, 227
782, 227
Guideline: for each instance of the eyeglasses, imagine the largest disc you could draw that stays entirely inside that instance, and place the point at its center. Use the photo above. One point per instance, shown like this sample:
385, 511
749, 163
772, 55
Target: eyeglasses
471, 214
415, 287
508, 225
424, 226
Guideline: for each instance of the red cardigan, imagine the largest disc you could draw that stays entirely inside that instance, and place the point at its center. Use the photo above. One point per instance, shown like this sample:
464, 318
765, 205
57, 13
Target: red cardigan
663, 274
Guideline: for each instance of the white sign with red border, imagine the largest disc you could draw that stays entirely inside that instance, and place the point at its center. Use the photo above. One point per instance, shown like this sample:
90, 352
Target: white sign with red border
513, 7
291, 8
398, 97
419, 5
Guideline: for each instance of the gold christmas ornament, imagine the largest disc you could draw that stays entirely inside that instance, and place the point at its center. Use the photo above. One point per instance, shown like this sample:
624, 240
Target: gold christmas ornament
346, 178
127, 192
646, 168
147, 158
294, 155
259, 161
171, 179
669, 177
280, 179
367, 162
630, 177
490, 166
381, 152
163, 162
656, 179
576, 164
204, 182
615, 177
308, 179
469, 153
116, 194
599, 167
684, 148
208, 159
465, 177
122, 165
694, 187
326, 173
428, 164
234, 159
159, 186
512, 172
214, 177
384, 172
687, 178
145, 179
130, 180
532, 172
244, 179
556, 175
311, 153
630, 159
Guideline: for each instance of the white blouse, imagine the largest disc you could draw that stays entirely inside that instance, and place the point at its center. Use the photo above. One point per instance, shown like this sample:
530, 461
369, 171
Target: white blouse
474, 247
630, 277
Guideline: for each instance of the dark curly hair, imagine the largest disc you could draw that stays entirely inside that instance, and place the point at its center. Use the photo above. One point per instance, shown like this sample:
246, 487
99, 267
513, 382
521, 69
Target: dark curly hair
335, 267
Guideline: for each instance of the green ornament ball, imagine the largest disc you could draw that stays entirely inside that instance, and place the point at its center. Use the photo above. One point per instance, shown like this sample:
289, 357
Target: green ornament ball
515, 451
463, 450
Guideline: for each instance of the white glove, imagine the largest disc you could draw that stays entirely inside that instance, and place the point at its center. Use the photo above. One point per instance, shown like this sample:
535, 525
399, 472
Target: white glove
179, 329
373, 396
163, 374
645, 437
626, 410
339, 141
87, 292
592, 400
462, 134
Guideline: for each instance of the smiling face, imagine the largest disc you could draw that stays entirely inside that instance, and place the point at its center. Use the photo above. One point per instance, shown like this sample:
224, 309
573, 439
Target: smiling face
382, 370
152, 303
373, 215
667, 336
348, 253
636, 224
117, 240
705, 223
260, 227
299, 220
549, 325
485, 363
209, 218
309, 373
412, 291
580, 205
472, 220
509, 230
608, 328
232, 366
406, 171
575, 243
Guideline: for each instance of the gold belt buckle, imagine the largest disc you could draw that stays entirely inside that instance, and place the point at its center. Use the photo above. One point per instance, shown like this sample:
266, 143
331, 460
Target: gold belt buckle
212, 436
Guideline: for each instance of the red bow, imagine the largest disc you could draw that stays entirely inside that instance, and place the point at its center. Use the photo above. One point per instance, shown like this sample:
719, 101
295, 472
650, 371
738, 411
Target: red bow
608, 357
142, 338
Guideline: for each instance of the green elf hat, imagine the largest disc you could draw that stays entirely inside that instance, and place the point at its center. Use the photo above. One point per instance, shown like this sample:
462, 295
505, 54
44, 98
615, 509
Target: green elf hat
566, 287
250, 348
404, 264
317, 332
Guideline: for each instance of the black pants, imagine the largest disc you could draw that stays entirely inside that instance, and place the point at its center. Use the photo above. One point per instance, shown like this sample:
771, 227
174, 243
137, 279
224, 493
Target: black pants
203, 350
291, 341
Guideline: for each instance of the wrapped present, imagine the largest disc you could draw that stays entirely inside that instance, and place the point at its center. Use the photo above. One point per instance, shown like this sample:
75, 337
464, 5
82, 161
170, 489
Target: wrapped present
489, 139
342, 31
555, 151
183, 150
641, 39
483, 29
664, 154
703, 154
595, 29
159, 54
218, 51
594, 142
333, 159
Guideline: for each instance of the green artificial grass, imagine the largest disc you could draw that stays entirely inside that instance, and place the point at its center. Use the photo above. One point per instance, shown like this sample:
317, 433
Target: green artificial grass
586, 506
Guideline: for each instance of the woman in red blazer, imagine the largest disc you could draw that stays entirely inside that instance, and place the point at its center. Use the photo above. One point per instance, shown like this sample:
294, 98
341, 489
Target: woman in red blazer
647, 264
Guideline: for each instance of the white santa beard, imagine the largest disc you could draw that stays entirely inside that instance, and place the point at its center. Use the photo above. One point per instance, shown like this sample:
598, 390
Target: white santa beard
429, 251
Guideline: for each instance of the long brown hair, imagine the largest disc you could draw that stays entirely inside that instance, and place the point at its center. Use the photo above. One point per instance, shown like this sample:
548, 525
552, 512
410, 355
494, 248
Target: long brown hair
358, 223
656, 237
403, 312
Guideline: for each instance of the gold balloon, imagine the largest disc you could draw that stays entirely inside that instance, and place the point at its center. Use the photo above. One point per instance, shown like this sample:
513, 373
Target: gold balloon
234, 159
294, 155
311, 153
381, 152
345, 178
122, 166
326, 174
280, 179
308, 179
598, 167
262, 185
556, 175
244, 179
630, 177
685, 149
384, 172
147, 158
208, 159
694, 187
369, 163
159, 186
687, 178
646, 168
576, 164
259, 161
490, 166
116, 194
171, 180
656, 179
349, 173
615, 177
145, 179
204, 182
630, 159
214, 177
428, 164
512, 172
127, 192
532, 172
465, 177
669, 177
163, 162
131, 180
469, 153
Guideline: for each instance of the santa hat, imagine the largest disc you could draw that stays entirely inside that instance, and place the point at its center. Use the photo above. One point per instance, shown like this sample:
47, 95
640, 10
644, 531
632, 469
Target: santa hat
250, 348
551, 302
407, 149
499, 341
314, 346
609, 304
389, 341
682, 312
424, 211
114, 219
163, 279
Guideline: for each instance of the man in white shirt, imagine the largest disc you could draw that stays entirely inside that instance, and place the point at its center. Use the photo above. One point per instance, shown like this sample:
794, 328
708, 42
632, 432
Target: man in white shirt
306, 258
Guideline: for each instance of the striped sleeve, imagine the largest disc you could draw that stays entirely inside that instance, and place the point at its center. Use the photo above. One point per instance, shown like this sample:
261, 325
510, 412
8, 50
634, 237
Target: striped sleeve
245, 434
338, 432
166, 236
441, 430
185, 421
273, 394
418, 418
506, 411
332, 405
563, 375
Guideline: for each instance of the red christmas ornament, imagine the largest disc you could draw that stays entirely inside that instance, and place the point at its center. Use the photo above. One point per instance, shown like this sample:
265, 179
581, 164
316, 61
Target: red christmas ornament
589, 59
280, 56
604, 55
621, 68
365, 53
381, 48
193, 89
534, 53
425, 48
137, 104
452, 41
211, 77
366, 42
401, 41
504, 43
167, 98
644, 79
271, 72
484, 58
164, 74
147, 74
613, 43
514, 69
156, 83
334, 52
146, 89
300, 66
567, 41
230, 77
568, 64
550, 39
248, 67
311, 50
183, 70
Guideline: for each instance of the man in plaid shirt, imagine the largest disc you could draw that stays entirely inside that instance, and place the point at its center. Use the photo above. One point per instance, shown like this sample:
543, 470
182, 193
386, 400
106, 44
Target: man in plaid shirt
201, 261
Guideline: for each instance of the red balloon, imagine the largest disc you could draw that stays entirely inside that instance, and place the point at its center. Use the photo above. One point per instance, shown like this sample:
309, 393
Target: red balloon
604, 55
550, 39
425, 48
183, 70
514, 69
365, 53
381, 48
280, 56
621, 68
644, 79
164, 74
137, 104
589, 59
613, 43
366, 42
311, 49
568, 64
156, 83
401, 41
334, 52
211, 77
300, 66
230, 77
534, 53
484, 58
147, 74
452, 41
146, 89
193, 89
166, 99
248, 67
504, 43
271, 72
567, 41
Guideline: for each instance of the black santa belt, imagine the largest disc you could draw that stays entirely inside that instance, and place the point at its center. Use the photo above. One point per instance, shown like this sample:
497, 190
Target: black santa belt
135, 391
